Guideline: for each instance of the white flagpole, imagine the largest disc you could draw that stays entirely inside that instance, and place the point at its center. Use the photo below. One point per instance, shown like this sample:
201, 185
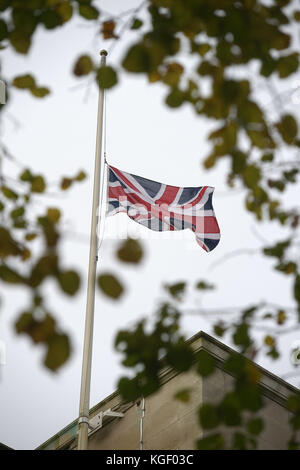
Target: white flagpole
83, 421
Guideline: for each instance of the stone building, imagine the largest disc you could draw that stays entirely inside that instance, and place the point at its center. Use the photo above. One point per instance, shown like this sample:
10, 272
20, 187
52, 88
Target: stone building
162, 422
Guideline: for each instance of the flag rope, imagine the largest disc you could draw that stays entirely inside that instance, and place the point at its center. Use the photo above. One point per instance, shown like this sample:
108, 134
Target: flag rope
103, 183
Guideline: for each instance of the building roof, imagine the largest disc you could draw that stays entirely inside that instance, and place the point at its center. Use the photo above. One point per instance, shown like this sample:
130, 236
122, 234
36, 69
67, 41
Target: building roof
273, 387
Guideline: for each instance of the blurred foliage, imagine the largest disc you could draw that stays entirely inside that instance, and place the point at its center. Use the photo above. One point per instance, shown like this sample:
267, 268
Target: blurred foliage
30, 256
234, 421
130, 251
106, 77
27, 82
110, 285
150, 351
220, 37
176, 290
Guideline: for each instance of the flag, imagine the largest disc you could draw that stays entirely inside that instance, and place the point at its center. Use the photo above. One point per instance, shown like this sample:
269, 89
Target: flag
163, 207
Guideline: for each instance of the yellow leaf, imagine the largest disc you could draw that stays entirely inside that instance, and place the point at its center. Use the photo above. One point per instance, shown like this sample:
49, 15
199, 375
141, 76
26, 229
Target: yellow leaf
53, 214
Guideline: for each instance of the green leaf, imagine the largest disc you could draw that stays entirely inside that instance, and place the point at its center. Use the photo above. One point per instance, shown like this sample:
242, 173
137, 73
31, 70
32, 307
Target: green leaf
39, 92
297, 290
24, 322
297, 15
203, 285
58, 352
17, 212
225, 138
10, 276
8, 246
24, 81
293, 444
175, 98
137, 59
249, 312
279, 185
51, 19
27, 81
260, 138
290, 176
241, 336
201, 49
176, 290
110, 286
287, 268
38, 184
267, 157
19, 224
281, 40
40, 331
295, 421
9, 193
205, 364
24, 20
249, 396
230, 410
239, 160
80, 176
30, 236
44, 267
21, 42
210, 161
268, 66
180, 356
128, 389
26, 176
255, 426
136, 23
4, 4
130, 251
208, 416
66, 183
49, 231
293, 403
212, 442
83, 66
219, 329
65, 10
88, 12
3, 30
251, 175
277, 250
288, 65
53, 214
206, 68
173, 74
107, 77
250, 112
288, 128
69, 282
183, 395
239, 441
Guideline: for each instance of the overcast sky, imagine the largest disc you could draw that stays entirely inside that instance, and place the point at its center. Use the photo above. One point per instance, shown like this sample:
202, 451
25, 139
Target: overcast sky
56, 136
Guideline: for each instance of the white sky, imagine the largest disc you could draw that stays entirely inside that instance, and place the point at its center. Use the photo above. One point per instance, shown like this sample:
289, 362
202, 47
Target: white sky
56, 136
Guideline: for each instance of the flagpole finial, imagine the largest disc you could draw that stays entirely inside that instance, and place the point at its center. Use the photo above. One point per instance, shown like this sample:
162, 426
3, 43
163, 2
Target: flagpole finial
103, 52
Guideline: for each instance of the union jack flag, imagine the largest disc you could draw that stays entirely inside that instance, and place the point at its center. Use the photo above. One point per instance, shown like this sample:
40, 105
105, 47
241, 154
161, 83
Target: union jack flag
163, 207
